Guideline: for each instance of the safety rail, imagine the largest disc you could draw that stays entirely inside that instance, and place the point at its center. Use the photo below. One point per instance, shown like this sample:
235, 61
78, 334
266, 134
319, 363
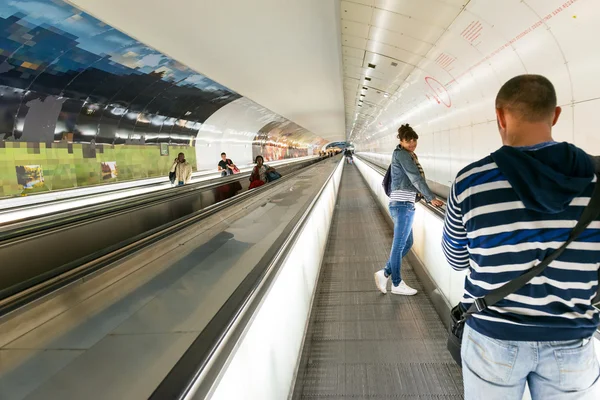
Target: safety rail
12, 204
197, 372
24, 281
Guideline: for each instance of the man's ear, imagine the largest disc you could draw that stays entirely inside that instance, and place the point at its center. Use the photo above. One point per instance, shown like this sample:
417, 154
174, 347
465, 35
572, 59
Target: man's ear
557, 112
501, 118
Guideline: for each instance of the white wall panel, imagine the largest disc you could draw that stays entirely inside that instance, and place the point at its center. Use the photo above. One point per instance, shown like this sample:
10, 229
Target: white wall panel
576, 32
233, 128
225, 130
451, 103
587, 128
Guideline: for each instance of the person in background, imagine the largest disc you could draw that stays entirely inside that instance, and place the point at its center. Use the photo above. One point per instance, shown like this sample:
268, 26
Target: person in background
182, 170
348, 155
506, 213
226, 166
408, 180
259, 173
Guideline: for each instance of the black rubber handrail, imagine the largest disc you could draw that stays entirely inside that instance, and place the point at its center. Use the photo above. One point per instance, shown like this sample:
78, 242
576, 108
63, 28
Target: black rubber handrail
216, 341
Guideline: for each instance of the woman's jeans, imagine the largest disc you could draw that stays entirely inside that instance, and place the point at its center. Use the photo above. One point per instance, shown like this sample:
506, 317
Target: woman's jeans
498, 369
403, 213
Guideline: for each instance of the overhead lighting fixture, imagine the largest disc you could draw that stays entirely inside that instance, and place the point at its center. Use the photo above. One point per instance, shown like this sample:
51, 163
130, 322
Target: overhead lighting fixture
372, 65
367, 78
386, 95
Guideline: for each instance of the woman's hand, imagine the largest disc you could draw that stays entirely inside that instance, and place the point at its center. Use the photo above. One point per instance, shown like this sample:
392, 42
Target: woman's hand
437, 203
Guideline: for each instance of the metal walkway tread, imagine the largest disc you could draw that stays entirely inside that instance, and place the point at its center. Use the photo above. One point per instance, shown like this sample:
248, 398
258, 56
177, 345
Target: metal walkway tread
360, 343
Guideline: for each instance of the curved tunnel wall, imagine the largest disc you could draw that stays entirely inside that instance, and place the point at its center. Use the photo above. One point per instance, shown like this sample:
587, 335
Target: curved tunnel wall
244, 129
82, 103
449, 96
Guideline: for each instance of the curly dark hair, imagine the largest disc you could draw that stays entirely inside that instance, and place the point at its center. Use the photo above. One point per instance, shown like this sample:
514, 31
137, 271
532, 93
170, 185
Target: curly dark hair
406, 132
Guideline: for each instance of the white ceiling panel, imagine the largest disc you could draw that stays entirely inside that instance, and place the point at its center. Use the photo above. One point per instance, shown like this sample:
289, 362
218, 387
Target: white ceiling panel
385, 67
357, 62
353, 52
456, 3
365, 2
433, 12
408, 26
354, 71
355, 29
399, 40
393, 52
401, 35
353, 41
356, 12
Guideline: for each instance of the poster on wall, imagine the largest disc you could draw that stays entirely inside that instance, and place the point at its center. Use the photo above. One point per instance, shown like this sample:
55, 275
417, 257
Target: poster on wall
164, 149
30, 176
109, 169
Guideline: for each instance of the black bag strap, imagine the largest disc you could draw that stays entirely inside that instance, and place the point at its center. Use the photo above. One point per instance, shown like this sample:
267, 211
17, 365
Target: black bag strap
589, 214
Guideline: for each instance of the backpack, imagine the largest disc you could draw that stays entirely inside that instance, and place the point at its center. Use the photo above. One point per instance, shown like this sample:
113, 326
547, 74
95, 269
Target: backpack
173, 175
387, 181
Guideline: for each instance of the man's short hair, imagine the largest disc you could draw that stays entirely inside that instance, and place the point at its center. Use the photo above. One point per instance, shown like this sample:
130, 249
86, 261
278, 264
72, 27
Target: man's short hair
223, 154
530, 97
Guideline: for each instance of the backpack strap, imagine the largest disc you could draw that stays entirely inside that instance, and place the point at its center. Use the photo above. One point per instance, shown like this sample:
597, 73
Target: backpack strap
589, 214
596, 161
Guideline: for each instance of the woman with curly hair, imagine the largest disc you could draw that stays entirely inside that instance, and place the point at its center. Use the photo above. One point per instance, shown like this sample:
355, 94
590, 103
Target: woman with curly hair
408, 185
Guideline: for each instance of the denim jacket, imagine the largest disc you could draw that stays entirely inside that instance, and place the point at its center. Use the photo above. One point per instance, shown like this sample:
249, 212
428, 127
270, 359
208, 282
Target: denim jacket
406, 176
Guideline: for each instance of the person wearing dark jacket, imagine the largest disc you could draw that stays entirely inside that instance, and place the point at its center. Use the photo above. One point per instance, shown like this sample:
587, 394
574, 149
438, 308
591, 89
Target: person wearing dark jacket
226, 166
505, 214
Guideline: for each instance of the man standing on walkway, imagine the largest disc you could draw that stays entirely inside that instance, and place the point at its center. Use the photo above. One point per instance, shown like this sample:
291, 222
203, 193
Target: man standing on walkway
182, 170
506, 213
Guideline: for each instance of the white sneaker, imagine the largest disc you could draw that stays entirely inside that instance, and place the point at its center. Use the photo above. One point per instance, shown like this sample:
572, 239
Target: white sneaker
403, 289
381, 281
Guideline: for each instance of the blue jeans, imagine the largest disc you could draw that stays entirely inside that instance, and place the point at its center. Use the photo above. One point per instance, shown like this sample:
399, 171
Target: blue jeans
498, 369
403, 213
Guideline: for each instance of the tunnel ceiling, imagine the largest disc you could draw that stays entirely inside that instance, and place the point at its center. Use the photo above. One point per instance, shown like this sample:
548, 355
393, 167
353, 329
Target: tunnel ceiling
284, 55
383, 41
58, 64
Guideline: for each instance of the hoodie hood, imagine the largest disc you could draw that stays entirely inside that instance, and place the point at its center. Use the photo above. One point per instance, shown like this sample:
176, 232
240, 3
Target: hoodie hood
548, 179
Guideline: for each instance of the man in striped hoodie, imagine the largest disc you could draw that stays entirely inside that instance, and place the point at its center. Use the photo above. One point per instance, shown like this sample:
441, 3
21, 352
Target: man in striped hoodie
506, 213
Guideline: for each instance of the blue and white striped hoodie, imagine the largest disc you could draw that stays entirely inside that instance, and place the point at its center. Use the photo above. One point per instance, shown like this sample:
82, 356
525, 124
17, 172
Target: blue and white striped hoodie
506, 213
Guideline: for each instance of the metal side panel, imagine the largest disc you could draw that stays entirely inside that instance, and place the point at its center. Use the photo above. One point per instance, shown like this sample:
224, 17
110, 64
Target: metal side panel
361, 343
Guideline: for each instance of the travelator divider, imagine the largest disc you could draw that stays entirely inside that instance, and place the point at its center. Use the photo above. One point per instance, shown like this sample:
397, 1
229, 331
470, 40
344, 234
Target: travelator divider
253, 346
84, 241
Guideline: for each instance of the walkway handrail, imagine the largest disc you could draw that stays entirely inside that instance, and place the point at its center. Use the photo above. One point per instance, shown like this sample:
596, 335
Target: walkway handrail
438, 211
198, 369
